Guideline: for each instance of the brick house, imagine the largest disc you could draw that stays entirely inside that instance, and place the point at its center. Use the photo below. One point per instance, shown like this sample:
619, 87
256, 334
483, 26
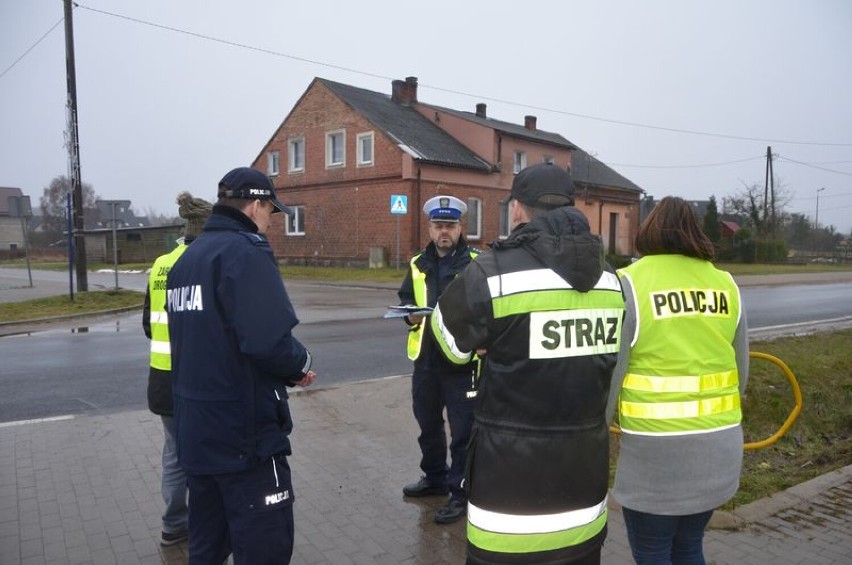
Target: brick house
342, 152
11, 228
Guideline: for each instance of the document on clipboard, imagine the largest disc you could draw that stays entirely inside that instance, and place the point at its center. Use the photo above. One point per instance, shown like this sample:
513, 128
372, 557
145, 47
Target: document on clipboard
402, 311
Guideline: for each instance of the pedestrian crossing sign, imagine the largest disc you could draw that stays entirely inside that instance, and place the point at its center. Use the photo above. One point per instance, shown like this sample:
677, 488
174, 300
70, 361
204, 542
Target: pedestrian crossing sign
399, 204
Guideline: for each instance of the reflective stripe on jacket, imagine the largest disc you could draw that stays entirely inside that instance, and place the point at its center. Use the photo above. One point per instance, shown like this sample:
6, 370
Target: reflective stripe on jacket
421, 298
160, 350
549, 313
677, 384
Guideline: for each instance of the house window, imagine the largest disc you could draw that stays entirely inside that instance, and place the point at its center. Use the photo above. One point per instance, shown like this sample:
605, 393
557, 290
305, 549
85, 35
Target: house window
365, 149
296, 155
613, 233
272, 159
335, 148
547, 159
474, 218
520, 161
504, 220
295, 224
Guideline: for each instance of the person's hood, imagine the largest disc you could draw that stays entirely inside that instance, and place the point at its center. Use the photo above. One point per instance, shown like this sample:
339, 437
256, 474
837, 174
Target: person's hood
563, 242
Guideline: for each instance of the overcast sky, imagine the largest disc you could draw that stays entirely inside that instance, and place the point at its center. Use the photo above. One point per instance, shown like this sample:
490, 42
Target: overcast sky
682, 98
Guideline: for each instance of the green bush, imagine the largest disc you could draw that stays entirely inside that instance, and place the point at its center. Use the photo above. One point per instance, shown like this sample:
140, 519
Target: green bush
770, 250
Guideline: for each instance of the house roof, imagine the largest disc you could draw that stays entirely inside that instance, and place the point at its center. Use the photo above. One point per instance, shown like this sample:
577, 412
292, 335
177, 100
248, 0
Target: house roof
515, 130
586, 169
412, 132
101, 216
733, 226
5, 193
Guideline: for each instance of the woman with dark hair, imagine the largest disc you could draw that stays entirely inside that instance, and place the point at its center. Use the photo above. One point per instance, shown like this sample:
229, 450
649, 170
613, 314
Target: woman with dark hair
682, 367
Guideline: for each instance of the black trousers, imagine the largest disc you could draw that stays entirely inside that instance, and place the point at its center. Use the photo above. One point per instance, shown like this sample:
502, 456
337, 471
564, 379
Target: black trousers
432, 391
249, 514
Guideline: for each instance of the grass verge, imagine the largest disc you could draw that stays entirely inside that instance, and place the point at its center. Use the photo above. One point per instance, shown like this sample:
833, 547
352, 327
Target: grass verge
821, 438
83, 303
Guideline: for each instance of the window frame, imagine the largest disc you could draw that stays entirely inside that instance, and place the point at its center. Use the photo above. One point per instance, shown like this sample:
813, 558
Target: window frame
273, 163
519, 162
329, 149
298, 218
474, 203
504, 220
291, 154
360, 161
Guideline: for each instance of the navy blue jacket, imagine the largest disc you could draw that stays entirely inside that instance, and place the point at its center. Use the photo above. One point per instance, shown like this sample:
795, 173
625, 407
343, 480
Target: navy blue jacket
440, 271
233, 353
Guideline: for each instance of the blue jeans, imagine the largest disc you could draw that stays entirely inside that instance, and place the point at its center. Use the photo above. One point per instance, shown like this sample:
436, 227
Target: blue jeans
173, 485
666, 540
431, 392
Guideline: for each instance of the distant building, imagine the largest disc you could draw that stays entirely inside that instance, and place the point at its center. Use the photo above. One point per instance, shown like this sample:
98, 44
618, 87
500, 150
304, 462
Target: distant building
11, 228
134, 244
343, 155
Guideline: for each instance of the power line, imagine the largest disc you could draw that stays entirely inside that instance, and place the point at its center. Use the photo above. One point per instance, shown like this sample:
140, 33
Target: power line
461, 93
25, 53
815, 166
232, 43
688, 166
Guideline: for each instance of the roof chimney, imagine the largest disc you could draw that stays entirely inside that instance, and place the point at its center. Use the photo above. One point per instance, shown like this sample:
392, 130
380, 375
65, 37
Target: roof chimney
529, 122
480, 110
404, 92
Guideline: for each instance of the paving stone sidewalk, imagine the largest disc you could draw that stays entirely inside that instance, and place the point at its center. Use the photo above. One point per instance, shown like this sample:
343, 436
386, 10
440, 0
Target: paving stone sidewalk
87, 490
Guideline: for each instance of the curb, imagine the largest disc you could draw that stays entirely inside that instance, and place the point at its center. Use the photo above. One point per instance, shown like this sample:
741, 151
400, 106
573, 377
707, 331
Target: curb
765, 507
8, 328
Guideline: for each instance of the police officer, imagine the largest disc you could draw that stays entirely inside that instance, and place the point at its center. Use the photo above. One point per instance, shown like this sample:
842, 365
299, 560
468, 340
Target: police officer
545, 312
233, 355
682, 367
436, 383
155, 324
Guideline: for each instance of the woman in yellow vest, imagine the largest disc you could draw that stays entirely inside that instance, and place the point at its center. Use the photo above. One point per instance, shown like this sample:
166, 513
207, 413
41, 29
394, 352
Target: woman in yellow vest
682, 368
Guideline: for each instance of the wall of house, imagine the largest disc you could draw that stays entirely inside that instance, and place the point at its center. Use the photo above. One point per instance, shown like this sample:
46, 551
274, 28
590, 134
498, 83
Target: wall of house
11, 233
598, 204
347, 209
139, 245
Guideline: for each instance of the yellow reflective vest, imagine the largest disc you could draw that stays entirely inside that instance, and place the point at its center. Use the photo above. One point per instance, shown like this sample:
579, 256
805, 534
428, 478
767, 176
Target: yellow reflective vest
682, 375
161, 357
421, 297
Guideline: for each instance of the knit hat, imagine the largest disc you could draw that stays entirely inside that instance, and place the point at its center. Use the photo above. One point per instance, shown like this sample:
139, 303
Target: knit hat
194, 211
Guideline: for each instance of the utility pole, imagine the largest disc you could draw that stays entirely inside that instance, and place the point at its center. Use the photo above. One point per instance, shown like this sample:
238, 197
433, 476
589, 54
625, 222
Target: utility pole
769, 195
816, 218
74, 152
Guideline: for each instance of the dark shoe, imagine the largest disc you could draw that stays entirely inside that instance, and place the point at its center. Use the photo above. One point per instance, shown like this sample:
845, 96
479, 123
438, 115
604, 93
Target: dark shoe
173, 538
451, 511
424, 488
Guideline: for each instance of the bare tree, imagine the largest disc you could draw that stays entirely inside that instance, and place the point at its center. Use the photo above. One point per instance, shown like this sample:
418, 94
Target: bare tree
53, 203
764, 218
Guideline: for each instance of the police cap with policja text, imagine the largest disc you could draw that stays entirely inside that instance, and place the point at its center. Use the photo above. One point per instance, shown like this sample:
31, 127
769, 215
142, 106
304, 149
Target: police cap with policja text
250, 184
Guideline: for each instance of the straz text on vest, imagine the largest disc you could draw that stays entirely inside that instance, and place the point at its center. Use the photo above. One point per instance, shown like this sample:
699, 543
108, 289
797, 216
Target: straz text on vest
574, 333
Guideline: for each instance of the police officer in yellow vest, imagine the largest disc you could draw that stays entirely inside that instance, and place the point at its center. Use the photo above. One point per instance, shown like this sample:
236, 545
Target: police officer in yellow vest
436, 383
156, 326
682, 367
